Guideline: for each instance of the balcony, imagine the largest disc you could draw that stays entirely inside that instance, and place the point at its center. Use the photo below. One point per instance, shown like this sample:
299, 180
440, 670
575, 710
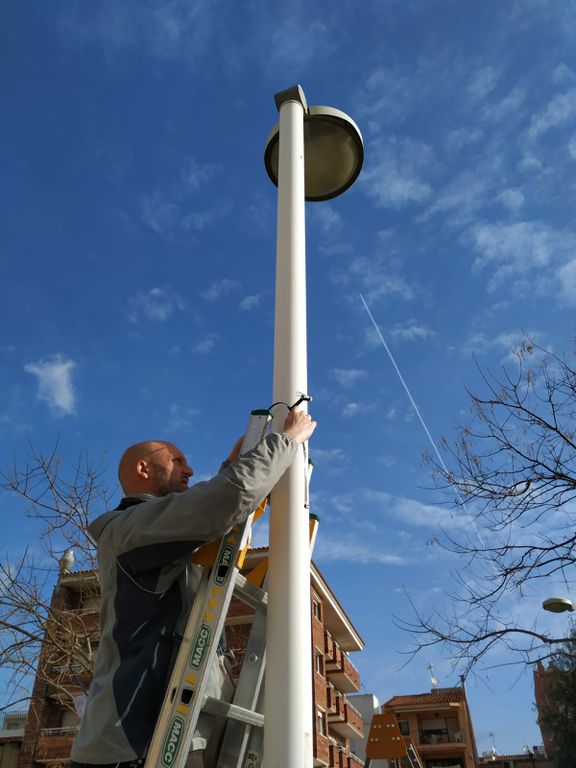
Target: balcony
331, 698
329, 648
54, 744
341, 671
346, 721
12, 726
73, 678
440, 736
338, 756
341, 758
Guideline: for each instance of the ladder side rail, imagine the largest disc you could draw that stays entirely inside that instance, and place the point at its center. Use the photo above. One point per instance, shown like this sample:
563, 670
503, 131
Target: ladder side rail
247, 694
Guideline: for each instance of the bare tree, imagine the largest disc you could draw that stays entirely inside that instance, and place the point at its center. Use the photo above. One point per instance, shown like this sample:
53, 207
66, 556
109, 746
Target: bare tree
42, 635
511, 473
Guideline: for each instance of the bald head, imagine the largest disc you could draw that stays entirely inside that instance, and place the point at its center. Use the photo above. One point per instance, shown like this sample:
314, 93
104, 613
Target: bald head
153, 466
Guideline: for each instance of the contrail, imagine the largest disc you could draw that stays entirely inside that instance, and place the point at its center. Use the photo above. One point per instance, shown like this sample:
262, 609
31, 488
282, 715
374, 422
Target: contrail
424, 427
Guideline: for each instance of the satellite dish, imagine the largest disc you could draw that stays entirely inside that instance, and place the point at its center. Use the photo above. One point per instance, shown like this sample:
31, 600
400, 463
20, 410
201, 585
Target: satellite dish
66, 561
433, 680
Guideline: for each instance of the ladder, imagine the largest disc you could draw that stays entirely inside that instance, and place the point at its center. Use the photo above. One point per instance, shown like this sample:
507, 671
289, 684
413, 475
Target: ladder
185, 697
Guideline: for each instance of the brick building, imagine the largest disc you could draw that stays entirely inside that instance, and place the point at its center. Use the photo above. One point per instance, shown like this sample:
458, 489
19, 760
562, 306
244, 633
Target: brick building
52, 719
439, 726
541, 675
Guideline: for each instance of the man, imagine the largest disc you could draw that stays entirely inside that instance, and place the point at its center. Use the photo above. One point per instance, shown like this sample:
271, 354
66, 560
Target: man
148, 583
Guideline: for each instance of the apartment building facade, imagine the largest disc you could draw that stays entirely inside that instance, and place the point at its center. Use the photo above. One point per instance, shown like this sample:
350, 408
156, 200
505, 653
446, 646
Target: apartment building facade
439, 726
11, 735
58, 693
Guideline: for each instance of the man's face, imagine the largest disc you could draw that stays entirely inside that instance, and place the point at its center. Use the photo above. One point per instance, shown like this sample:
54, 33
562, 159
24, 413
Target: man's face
168, 470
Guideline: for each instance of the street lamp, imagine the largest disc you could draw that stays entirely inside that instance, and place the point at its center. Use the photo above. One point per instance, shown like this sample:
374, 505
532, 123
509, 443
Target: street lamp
314, 153
558, 604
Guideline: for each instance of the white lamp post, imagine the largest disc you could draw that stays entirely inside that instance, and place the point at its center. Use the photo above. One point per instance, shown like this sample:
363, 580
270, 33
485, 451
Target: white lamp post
313, 153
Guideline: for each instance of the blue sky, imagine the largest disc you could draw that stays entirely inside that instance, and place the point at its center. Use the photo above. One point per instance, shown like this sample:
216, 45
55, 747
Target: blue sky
138, 244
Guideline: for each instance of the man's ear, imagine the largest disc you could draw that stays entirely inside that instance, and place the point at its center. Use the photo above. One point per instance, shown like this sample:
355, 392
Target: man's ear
142, 469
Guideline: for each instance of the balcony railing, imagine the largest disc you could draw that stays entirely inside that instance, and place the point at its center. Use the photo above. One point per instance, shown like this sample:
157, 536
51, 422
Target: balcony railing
342, 758
440, 736
329, 648
340, 669
54, 744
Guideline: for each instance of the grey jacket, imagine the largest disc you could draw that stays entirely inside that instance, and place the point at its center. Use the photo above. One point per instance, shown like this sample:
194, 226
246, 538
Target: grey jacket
147, 585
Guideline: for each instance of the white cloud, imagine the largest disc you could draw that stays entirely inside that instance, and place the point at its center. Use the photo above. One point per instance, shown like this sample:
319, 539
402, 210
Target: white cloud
409, 512
329, 550
54, 376
250, 302
521, 251
325, 218
483, 82
563, 74
480, 343
198, 221
293, 38
506, 108
560, 109
512, 198
348, 376
206, 344
164, 28
386, 99
376, 278
409, 331
463, 196
181, 417
331, 458
194, 175
158, 213
567, 281
351, 409
158, 305
396, 176
336, 249
459, 138
572, 147
220, 288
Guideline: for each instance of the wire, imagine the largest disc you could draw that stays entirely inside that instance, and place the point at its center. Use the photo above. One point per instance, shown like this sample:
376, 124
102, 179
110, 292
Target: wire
301, 399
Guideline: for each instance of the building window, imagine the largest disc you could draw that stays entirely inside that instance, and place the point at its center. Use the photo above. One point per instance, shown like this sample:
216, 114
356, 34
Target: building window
319, 663
439, 730
321, 722
404, 727
316, 609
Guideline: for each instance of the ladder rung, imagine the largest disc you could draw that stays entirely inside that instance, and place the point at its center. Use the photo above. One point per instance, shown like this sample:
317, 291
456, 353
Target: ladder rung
250, 594
232, 711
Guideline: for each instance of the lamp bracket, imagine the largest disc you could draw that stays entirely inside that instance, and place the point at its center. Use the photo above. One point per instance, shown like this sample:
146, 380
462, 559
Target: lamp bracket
295, 93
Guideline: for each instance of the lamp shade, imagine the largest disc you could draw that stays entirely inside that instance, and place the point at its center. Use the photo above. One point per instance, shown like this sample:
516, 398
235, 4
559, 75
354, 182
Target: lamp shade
333, 153
558, 604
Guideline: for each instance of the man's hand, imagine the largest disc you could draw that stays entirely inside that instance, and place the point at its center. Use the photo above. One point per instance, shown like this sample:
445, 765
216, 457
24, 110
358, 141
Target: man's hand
299, 425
